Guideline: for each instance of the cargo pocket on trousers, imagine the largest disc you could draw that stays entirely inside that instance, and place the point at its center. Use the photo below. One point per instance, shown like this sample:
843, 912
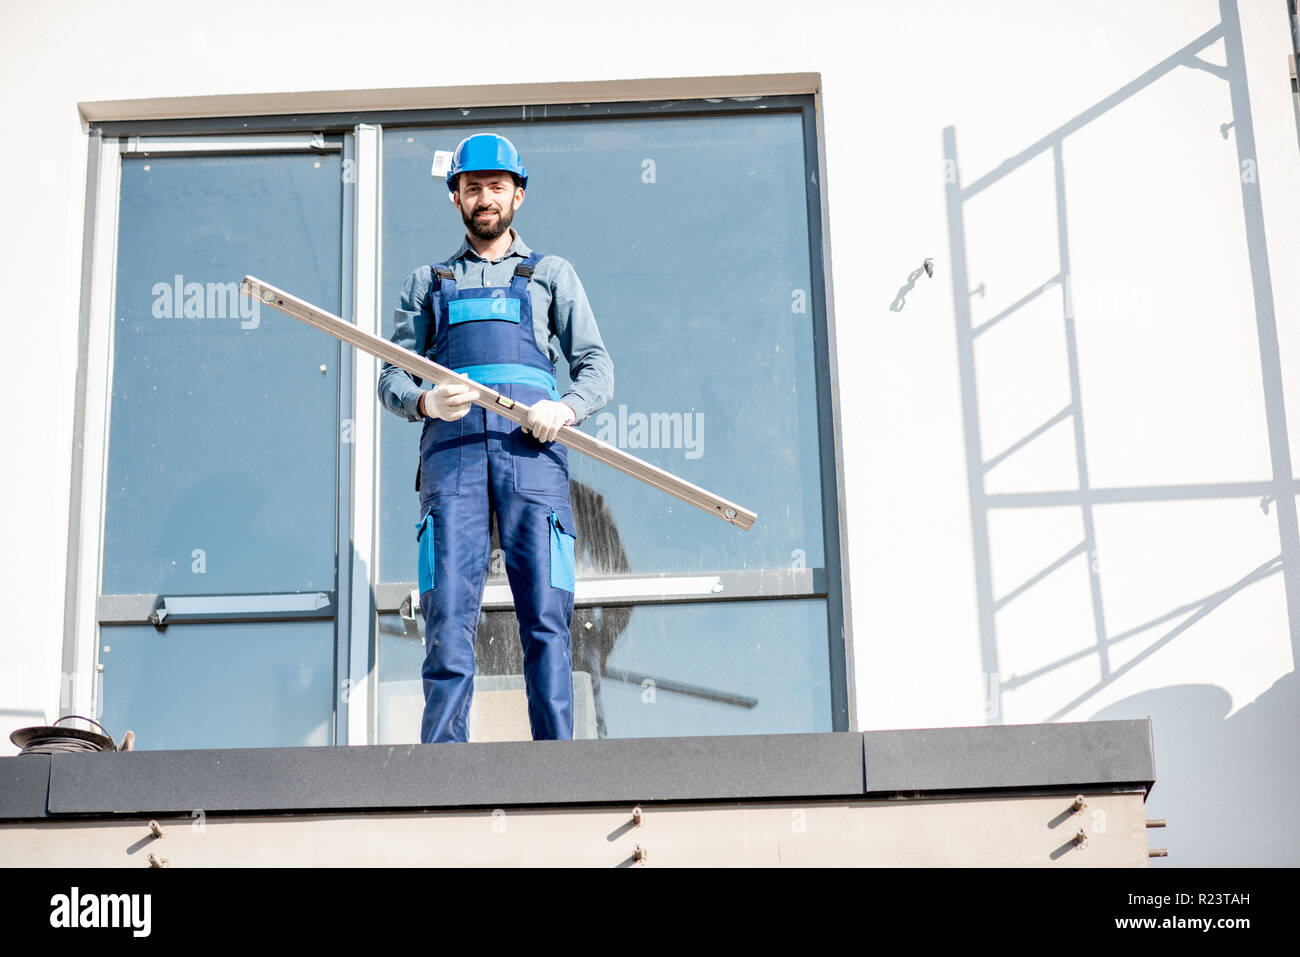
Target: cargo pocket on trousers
562, 541
441, 447
424, 538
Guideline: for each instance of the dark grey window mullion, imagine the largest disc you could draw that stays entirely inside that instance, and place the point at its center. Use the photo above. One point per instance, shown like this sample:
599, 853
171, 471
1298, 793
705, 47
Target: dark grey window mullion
829, 442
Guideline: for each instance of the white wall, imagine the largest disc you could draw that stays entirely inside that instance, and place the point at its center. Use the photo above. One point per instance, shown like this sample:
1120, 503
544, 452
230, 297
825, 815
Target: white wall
1166, 330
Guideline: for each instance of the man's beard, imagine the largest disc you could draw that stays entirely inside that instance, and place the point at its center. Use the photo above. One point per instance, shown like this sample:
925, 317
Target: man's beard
488, 229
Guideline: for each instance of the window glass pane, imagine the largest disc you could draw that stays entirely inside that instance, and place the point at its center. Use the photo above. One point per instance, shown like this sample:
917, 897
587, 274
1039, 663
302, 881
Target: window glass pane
651, 670
221, 685
690, 236
224, 416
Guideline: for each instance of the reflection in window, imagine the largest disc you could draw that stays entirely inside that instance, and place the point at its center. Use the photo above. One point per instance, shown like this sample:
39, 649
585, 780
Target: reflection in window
739, 667
220, 685
224, 417
699, 277
690, 235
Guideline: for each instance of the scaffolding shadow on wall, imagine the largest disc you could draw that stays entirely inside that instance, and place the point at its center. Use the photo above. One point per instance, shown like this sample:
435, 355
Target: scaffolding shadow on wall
1278, 492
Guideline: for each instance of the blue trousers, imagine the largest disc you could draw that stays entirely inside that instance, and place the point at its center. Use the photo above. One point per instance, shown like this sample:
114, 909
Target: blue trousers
477, 465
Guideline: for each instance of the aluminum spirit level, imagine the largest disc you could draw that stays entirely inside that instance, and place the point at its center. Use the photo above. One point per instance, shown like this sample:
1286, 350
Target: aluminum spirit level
517, 412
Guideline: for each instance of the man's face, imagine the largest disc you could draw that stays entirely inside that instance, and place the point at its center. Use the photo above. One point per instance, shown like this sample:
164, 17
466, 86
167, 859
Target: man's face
487, 202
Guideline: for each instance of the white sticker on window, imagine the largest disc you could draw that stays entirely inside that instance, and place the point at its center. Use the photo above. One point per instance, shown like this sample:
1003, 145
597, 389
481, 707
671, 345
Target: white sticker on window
441, 163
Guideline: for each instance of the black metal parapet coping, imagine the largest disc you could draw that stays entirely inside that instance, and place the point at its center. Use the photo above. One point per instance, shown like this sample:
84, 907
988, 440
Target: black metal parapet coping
1109, 755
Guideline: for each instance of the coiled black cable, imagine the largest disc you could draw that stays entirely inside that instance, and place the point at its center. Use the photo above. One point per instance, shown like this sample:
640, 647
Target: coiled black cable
51, 741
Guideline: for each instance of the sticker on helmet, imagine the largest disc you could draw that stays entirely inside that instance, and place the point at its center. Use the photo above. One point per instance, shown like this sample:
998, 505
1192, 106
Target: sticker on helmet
441, 163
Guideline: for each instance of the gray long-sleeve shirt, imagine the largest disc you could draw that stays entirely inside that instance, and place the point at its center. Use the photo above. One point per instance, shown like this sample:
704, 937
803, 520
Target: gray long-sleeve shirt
560, 310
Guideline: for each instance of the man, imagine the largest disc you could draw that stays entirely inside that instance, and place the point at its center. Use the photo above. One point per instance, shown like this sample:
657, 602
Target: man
490, 312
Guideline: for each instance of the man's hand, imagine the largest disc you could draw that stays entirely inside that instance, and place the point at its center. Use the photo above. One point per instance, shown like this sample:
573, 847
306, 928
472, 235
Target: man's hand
546, 418
447, 402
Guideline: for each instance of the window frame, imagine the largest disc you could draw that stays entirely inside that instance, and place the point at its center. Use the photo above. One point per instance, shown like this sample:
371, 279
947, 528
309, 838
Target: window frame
359, 597
87, 609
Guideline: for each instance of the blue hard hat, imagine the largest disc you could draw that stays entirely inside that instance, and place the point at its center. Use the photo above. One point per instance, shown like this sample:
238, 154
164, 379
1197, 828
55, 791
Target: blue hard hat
482, 152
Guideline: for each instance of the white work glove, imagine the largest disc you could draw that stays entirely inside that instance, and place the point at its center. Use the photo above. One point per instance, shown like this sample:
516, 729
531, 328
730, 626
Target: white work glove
447, 402
546, 418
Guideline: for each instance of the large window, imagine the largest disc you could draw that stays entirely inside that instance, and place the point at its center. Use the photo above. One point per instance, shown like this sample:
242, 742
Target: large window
220, 490
255, 581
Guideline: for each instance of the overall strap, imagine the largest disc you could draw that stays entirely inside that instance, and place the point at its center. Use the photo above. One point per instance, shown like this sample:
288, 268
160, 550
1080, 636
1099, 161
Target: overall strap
524, 272
427, 324
442, 274
444, 284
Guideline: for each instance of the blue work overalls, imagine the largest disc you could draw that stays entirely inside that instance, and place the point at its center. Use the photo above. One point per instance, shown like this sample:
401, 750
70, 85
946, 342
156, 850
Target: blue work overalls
482, 463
